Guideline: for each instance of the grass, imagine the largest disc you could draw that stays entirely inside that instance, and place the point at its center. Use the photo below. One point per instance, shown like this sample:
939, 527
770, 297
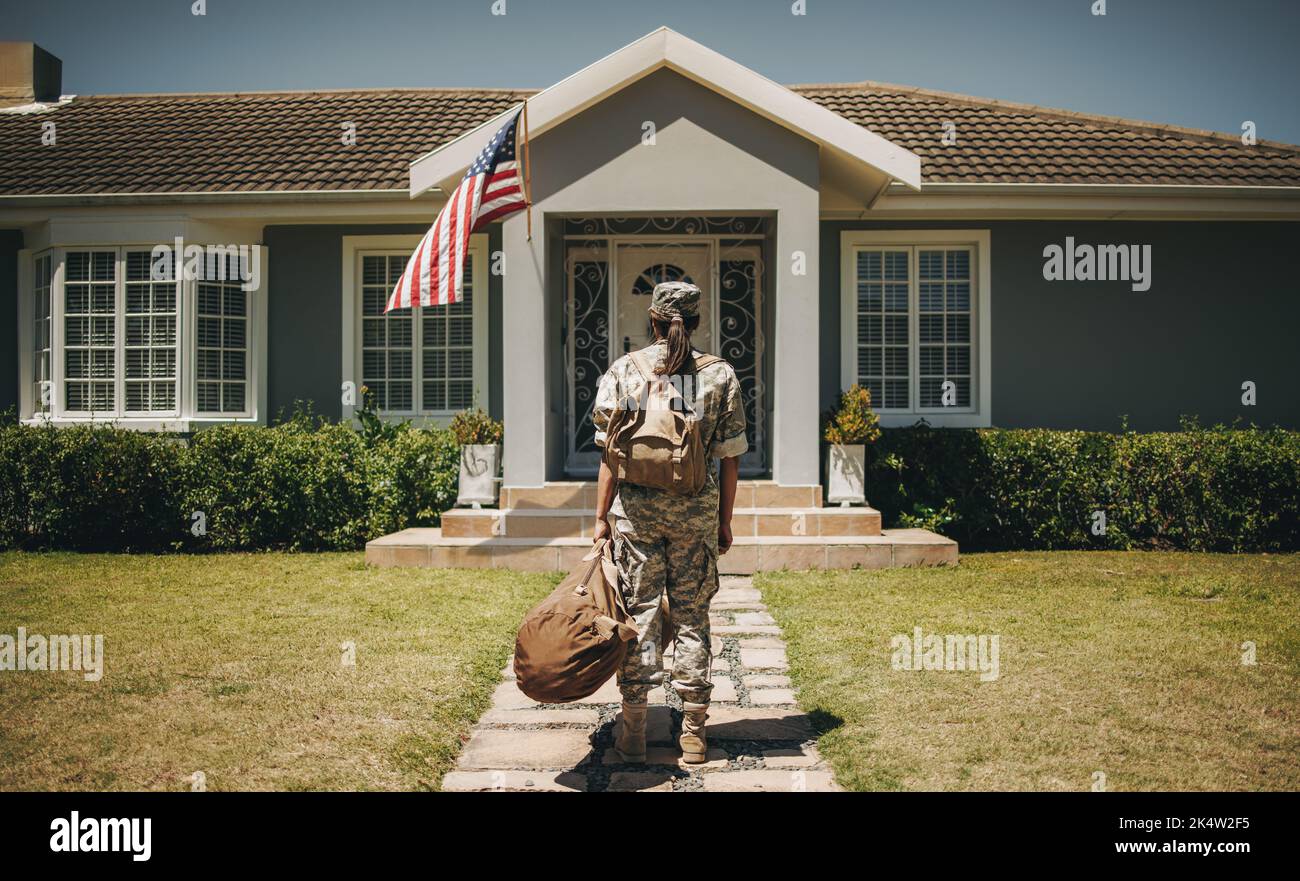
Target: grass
233, 666
1128, 664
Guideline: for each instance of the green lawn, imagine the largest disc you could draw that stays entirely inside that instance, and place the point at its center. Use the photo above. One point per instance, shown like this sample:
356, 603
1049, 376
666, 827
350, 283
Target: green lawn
232, 666
1128, 664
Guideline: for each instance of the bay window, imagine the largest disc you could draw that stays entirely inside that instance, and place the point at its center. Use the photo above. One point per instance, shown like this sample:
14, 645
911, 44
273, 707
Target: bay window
109, 338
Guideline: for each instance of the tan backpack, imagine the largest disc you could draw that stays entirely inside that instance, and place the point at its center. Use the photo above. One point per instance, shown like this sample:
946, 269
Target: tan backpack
657, 443
575, 639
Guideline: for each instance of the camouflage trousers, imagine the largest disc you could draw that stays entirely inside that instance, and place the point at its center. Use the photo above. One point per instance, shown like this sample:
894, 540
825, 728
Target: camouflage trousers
654, 555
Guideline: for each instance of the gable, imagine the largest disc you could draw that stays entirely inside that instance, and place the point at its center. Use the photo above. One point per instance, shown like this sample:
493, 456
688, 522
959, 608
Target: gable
853, 150
665, 143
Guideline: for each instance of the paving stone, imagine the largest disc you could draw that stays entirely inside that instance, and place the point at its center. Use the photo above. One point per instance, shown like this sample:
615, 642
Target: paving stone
508, 697
758, 723
716, 620
771, 697
514, 781
724, 689
738, 629
730, 606
762, 642
720, 665
496, 716
784, 757
737, 595
508, 673
716, 759
750, 618
640, 781
504, 748
766, 680
764, 659
769, 780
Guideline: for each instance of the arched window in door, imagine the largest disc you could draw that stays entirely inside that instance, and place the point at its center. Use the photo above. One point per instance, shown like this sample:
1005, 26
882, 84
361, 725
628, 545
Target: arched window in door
657, 274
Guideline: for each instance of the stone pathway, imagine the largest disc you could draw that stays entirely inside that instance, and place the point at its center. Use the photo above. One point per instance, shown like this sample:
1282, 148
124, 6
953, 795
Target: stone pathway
759, 740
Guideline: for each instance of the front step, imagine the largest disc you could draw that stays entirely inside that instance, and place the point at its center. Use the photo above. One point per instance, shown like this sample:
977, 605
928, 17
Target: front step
579, 523
581, 495
893, 547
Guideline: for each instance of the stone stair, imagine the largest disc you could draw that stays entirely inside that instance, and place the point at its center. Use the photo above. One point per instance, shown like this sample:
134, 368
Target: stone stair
775, 527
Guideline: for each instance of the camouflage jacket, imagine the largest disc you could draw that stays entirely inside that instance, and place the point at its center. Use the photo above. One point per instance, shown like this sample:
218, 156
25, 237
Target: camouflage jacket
715, 396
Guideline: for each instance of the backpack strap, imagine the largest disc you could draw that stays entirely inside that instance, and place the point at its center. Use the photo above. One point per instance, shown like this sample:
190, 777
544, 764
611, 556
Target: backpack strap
642, 366
705, 360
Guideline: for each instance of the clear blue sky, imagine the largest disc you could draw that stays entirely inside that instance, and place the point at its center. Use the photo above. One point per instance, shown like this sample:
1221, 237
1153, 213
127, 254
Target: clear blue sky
1204, 63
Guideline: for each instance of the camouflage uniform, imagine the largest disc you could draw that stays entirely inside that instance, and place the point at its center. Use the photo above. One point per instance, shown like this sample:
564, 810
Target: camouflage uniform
669, 542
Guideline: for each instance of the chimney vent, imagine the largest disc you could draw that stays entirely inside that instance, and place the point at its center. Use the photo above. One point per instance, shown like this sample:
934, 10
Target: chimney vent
28, 74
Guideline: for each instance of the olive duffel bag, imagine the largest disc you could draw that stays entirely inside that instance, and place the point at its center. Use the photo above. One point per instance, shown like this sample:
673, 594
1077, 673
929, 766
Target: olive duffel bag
573, 641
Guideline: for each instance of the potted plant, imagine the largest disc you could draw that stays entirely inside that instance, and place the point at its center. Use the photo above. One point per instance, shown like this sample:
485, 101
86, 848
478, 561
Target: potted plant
849, 428
479, 436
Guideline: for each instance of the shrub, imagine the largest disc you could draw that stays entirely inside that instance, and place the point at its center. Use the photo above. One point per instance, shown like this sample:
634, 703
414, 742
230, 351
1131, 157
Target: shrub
88, 488
1199, 489
306, 485
301, 485
853, 421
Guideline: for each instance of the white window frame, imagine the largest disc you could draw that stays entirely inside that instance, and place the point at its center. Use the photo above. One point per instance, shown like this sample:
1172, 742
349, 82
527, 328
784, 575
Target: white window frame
356, 247
184, 417
979, 414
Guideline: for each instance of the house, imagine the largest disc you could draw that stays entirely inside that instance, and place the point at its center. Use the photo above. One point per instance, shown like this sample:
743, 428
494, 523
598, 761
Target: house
972, 262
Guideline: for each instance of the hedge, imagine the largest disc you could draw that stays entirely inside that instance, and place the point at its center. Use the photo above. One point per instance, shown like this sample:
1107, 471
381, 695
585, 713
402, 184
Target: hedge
308, 485
301, 485
992, 489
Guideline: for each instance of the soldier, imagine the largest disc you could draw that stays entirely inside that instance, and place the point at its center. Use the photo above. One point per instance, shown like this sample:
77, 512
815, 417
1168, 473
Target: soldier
668, 542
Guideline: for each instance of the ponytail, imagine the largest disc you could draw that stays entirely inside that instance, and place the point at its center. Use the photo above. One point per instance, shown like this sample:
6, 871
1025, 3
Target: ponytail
677, 334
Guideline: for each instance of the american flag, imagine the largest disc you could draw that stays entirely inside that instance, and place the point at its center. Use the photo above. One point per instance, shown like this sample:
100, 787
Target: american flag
491, 189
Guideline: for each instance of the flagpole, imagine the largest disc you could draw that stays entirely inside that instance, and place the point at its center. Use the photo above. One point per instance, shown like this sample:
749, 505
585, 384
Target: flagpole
528, 174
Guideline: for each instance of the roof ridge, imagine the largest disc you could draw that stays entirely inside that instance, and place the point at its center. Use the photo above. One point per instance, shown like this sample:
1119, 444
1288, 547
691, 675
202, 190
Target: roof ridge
1161, 128
458, 90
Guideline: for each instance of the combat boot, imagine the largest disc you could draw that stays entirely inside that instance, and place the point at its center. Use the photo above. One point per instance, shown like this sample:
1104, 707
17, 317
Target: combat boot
693, 743
629, 734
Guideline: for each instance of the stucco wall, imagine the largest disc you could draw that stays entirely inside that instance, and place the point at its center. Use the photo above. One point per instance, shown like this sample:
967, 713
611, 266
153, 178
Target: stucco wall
710, 156
1223, 307
304, 308
11, 241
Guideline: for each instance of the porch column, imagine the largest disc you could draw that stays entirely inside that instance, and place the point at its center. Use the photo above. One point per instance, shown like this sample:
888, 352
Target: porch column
797, 350
523, 356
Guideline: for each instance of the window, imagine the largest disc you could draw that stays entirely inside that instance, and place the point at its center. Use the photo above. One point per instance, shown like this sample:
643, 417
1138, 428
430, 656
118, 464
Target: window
915, 324
221, 343
110, 339
150, 341
42, 336
423, 361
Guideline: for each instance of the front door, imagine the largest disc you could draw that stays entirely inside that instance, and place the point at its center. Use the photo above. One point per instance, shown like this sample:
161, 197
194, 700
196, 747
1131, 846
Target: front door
608, 286
640, 268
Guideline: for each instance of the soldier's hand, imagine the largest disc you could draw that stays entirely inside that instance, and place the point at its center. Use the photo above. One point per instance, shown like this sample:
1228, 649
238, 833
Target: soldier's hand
601, 530
724, 537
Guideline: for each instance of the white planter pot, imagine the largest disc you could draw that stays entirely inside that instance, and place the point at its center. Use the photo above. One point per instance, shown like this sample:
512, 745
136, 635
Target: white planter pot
845, 473
479, 465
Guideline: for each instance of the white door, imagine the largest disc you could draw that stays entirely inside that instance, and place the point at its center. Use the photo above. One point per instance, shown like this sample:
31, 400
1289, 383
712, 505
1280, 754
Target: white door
640, 268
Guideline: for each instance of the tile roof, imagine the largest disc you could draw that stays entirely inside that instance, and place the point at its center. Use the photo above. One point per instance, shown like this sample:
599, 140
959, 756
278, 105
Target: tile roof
1003, 142
293, 141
